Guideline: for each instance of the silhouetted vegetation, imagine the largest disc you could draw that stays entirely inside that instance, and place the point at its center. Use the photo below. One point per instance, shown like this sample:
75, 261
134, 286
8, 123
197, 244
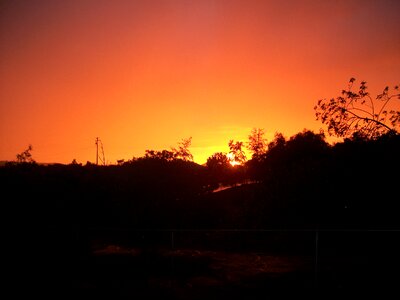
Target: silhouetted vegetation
300, 182
26, 156
358, 114
257, 143
183, 152
236, 152
219, 166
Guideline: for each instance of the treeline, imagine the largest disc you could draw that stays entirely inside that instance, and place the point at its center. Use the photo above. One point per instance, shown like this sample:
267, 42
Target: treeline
300, 181
54, 214
309, 183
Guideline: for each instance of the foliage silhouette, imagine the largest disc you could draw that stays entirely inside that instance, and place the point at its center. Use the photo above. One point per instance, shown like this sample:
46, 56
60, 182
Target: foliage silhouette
180, 153
220, 169
357, 114
299, 181
218, 160
236, 152
75, 163
64, 211
257, 143
183, 152
161, 155
26, 156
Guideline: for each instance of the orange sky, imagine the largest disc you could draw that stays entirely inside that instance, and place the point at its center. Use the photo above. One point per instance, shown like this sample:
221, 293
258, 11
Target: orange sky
145, 74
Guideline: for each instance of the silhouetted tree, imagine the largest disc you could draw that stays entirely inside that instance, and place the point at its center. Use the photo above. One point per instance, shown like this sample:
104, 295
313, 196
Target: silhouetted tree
258, 165
273, 159
75, 163
221, 170
161, 155
218, 160
357, 114
307, 143
236, 151
283, 155
257, 143
26, 156
278, 141
183, 152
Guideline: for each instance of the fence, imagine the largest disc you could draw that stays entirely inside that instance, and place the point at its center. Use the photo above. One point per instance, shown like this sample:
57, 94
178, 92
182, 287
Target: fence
308, 259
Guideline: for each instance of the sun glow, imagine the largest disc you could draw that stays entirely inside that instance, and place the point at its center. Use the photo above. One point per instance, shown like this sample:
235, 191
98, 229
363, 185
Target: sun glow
232, 160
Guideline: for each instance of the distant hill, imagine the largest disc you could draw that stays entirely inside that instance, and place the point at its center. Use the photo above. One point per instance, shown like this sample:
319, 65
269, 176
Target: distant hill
4, 162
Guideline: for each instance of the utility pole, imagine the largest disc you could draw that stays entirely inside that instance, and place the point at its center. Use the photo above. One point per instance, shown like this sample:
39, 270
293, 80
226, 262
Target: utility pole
97, 150
103, 159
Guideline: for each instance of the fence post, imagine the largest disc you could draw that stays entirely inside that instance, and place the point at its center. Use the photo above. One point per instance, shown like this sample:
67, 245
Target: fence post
316, 259
172, 279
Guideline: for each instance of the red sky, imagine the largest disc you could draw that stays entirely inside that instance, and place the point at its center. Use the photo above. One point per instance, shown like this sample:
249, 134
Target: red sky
145, 74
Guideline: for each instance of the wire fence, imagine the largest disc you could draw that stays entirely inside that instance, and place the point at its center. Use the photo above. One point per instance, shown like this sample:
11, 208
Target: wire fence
319, 257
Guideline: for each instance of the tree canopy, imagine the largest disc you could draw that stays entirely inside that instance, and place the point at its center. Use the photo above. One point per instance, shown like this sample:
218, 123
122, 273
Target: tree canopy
236, 152
26, 156
257, 143
358, 114
183, 151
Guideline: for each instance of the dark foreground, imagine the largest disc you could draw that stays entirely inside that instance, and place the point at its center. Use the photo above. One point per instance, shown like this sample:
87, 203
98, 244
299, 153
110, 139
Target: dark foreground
76, 230
232, 265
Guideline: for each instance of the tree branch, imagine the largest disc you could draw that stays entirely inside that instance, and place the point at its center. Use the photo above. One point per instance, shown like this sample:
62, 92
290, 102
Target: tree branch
369, 119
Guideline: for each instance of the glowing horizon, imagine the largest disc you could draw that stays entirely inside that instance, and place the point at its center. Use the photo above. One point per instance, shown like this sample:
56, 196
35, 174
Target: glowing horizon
145, 74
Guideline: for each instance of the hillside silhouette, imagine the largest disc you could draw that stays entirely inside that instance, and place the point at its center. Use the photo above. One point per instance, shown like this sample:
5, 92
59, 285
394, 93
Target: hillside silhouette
301, 214
301, 181
63, 212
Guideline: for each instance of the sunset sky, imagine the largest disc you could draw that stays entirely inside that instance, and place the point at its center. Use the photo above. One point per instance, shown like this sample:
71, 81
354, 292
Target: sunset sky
146, 74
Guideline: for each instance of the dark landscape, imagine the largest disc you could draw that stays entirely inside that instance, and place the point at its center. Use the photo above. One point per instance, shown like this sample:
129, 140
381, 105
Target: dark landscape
305, 217
199, 150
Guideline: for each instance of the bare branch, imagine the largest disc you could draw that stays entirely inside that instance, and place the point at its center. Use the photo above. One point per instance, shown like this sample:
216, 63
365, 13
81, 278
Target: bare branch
355, 113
